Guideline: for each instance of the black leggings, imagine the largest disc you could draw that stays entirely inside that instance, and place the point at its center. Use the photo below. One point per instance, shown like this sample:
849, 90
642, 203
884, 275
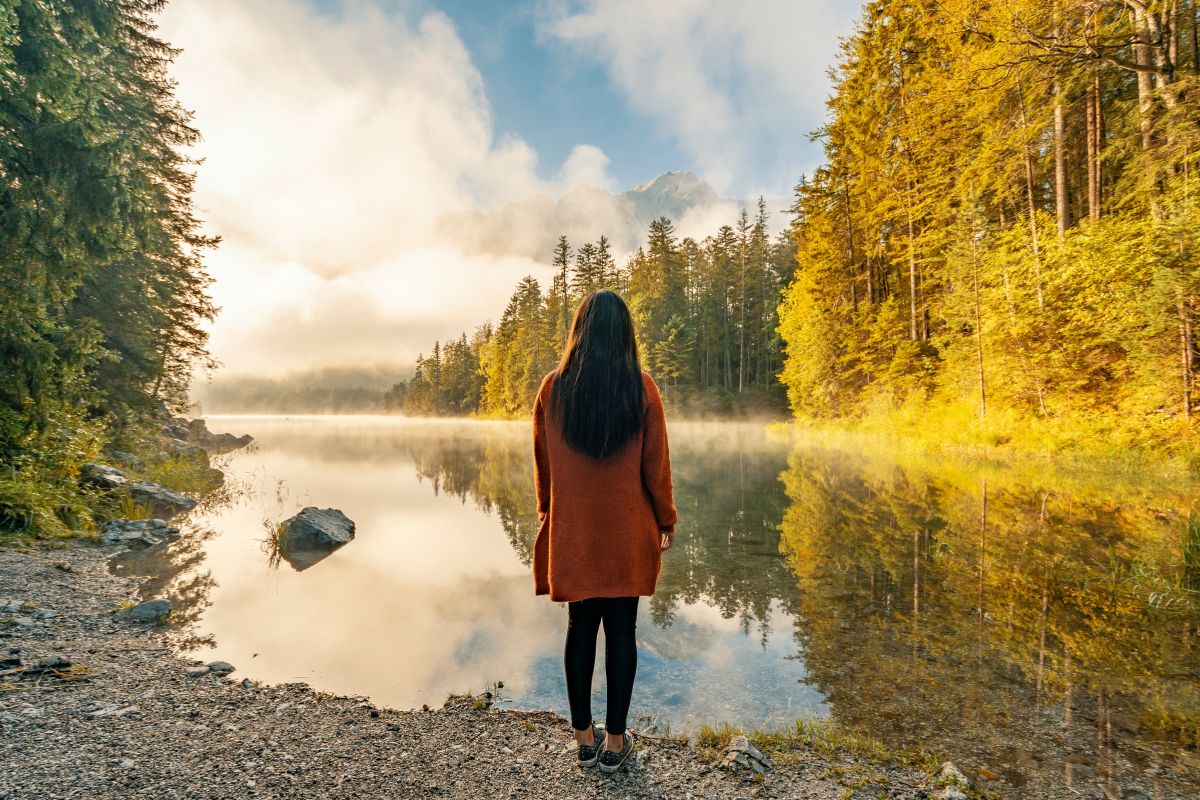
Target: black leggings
620, 658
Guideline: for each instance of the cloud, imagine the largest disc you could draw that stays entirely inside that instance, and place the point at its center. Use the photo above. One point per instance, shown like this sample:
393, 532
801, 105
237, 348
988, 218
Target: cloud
366, 205
729, 80
332, 147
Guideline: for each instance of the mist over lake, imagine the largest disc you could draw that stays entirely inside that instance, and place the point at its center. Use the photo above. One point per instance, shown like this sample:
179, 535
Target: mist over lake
1000, 616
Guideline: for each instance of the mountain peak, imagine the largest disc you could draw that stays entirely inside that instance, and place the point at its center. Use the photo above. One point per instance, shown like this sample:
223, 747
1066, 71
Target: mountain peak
670, 195
673, 180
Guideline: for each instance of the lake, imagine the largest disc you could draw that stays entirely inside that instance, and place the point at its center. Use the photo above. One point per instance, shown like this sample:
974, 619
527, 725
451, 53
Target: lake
1041, 628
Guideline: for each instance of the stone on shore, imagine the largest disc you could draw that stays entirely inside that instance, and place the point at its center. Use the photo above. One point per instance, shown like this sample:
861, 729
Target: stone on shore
145, 532
953, 773
161, 501
312, 535
149, 611
102, 476
741, 753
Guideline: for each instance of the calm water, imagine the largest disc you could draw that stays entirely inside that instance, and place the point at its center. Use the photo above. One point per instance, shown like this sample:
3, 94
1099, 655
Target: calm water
1048, 632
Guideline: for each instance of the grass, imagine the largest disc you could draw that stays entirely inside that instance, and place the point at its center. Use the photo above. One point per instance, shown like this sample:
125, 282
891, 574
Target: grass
41, 499
272, 544
188, 473
805, 735
34, 505
789, 745
1072, 442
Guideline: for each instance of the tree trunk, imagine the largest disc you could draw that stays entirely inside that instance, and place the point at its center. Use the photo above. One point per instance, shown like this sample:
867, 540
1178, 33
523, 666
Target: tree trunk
1195, 40
1060, 156
1145, 79
978, 329
1062, 210
742, 328
912, 270
1094, 139
1033, 228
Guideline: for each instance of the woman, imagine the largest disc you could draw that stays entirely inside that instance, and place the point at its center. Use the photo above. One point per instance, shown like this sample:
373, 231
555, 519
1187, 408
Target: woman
606, 509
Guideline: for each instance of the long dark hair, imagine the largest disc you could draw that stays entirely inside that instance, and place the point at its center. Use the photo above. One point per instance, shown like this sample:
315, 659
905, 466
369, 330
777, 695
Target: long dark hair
597, 393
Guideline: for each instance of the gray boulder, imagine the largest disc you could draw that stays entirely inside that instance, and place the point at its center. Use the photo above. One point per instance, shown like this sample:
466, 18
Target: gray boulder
312, 535
196, 432
141, 532
220, 668
149, 611
162, 502
128, 459
102, 476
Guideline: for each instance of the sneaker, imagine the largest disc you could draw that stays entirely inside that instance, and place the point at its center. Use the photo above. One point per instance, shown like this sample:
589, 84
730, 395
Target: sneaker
588, 754
610, 761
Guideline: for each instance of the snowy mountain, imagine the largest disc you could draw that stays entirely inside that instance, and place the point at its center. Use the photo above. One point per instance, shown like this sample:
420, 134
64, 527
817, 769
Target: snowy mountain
671, 194
531, 227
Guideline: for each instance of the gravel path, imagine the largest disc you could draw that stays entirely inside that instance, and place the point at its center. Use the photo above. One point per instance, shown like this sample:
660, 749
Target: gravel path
128, 722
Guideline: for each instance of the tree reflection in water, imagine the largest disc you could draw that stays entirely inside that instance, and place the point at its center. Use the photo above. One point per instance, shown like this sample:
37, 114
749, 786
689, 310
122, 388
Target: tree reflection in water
1043, 627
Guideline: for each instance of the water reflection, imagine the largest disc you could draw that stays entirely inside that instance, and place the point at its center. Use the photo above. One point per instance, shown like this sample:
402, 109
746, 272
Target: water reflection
1044, 629
1047, 634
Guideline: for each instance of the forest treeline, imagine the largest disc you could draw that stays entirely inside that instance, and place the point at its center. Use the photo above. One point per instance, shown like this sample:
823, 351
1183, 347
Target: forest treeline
102, 289
1004, 239
1003, 244
705, 314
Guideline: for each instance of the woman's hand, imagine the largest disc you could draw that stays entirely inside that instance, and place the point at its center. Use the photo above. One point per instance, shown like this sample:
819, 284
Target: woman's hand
668, 539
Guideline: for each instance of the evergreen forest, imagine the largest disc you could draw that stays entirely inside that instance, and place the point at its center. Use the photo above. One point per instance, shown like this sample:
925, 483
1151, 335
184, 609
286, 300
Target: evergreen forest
1003, 245
705, 314
103, 292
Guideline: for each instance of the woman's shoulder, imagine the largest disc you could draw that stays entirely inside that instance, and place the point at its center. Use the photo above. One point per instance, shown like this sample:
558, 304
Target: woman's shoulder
651, 388
547, 382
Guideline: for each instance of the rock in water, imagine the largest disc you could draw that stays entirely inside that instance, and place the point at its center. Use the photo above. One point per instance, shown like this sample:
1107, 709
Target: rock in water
312, 535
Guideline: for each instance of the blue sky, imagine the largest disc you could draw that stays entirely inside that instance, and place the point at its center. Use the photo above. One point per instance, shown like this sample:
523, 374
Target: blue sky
555, 93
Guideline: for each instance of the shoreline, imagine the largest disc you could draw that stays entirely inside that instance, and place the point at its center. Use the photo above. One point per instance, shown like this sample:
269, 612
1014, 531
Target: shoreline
127, 720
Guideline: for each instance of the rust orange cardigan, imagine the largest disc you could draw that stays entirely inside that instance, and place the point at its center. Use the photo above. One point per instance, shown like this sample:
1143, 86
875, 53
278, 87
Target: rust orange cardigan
601, 519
